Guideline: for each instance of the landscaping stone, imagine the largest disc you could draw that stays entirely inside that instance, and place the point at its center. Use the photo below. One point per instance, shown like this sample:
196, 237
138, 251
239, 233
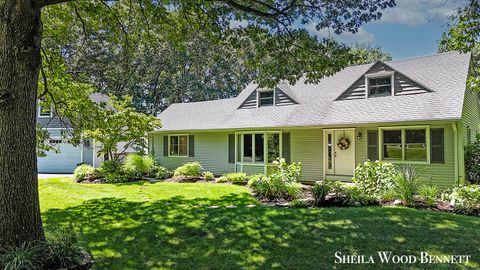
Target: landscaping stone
283, 204
250, 205
214, 206
231, 206
269, 204
397, 202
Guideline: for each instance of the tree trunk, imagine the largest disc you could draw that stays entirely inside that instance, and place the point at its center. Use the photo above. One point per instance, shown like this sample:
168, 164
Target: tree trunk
20, 36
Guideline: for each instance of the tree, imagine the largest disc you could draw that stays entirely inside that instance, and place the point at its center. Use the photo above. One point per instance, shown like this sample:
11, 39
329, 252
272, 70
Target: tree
118, 122
284, 52
366, 54
463, 34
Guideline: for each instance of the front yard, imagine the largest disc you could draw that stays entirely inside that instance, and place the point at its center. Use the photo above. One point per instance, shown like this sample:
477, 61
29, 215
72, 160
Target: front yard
214, 226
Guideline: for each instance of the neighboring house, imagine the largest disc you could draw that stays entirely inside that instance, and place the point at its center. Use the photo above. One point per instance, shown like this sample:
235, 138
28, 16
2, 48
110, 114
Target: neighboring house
69, 156
413, 111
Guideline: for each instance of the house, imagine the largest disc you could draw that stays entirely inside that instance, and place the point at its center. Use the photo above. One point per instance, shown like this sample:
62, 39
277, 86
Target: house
69, 156
413, 111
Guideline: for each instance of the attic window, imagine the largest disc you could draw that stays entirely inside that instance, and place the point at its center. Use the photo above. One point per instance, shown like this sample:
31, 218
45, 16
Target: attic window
379, 85
265, 98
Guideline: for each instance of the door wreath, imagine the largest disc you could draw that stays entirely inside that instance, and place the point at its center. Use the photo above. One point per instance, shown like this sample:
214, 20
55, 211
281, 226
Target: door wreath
343, 143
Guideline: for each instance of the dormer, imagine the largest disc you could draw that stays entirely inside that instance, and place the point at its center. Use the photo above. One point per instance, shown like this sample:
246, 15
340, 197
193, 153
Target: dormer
381, 80
44, 111
267, 98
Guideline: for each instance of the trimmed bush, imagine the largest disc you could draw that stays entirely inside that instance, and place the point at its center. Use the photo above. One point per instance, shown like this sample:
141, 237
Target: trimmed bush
64, 248
109, 167
321, 189
406, 184
162, 173
193, 169
83, 172
374, 178
429, 194
236, 178
112, 172
27, 256
208, 176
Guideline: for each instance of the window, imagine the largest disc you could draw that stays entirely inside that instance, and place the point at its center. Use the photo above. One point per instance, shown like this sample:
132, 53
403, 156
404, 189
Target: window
265, 98
380, 87
178, 145
405, 144
258, 147
55, 141
44, 111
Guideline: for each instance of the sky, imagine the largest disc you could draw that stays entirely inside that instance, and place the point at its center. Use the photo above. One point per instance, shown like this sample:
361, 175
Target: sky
410, 29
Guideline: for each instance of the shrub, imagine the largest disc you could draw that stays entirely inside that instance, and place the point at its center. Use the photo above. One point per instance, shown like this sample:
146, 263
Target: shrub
137, 166
293, 190
428, 193
389, 195
373, 178
162, 173
64, 248
406, 184
352, 196
321, 189
116, 178
193, 169
27, 256
83, 172
208, 176
236, 178
464, 198
109, 167
472, 161
282, 183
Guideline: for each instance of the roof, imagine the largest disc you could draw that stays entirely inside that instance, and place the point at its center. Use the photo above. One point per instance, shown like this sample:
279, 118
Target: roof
444, 74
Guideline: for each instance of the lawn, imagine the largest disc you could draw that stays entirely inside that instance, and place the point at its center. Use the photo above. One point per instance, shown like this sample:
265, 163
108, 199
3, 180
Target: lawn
171, 226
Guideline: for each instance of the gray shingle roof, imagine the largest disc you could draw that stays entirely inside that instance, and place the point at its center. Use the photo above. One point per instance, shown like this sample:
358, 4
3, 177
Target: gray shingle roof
445, 74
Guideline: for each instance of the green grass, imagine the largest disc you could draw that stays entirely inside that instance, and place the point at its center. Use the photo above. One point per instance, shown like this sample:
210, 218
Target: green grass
170, 226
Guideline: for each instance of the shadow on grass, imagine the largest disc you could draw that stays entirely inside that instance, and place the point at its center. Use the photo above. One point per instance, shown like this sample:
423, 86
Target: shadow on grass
187, 234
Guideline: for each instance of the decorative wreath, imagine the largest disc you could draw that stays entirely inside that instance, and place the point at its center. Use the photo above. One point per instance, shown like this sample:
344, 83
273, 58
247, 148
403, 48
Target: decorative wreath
343, 143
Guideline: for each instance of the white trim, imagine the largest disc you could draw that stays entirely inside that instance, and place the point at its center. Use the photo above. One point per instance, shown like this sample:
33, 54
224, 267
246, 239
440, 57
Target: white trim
265, 163
265, 91
188, 145
39, 110
379, 75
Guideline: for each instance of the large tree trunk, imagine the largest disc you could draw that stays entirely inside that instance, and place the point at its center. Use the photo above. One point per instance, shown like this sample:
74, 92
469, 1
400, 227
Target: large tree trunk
20, 34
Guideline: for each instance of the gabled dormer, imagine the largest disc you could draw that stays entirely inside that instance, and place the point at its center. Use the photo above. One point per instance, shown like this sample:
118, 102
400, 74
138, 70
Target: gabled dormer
268, 97
381, 80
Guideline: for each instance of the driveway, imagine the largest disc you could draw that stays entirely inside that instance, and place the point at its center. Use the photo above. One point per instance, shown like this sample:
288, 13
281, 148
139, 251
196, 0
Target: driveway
52, 175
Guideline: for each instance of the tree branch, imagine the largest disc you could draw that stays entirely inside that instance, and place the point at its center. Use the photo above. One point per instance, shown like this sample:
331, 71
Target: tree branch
44, 3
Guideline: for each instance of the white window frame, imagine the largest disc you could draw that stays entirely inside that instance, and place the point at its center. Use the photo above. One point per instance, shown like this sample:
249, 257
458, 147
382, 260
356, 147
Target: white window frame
265, 163
170, 143
403, 142
379, 75
265, 91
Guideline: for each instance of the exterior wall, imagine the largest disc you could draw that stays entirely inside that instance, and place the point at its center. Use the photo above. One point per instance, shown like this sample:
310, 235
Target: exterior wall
211, 150
306, 146
471, 116
440, 174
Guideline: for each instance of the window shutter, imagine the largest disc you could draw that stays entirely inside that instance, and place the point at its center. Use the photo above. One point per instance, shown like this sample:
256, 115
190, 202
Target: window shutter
372, 145
165, 146
231, 148
286, 146
191, 146
436, 145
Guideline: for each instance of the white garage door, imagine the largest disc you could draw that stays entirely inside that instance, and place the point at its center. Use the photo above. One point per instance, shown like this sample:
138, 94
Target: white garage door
63, 162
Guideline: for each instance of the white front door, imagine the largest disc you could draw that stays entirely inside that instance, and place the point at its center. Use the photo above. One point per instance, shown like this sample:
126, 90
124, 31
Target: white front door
339, 159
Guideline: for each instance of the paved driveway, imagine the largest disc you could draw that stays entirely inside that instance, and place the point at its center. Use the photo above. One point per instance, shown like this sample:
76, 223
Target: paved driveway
51, 175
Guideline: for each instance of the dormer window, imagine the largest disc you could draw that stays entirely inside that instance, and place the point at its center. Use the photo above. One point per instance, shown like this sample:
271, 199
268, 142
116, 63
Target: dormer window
265, 98
43, 111
379, 84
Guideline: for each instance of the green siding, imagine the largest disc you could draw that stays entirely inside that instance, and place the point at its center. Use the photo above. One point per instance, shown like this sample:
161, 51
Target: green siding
251, 170
306, 147
211, 150
440, 174
471, 115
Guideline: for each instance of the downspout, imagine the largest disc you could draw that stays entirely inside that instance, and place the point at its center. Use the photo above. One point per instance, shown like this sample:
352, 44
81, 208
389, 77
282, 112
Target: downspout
455, 150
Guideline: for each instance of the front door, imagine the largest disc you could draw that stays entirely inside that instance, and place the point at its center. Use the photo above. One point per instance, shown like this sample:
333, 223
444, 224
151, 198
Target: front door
340, 152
